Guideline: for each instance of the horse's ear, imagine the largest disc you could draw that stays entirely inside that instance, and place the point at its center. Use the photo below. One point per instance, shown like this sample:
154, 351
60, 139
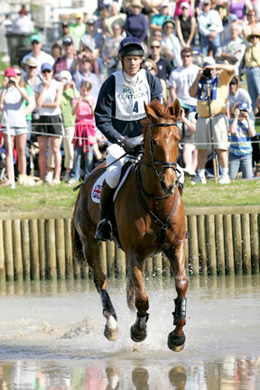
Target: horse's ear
150, 113
174, 109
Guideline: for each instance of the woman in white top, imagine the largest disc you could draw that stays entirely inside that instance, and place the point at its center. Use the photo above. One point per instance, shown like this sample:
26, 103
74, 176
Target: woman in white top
171, 44
12, 98
48, 98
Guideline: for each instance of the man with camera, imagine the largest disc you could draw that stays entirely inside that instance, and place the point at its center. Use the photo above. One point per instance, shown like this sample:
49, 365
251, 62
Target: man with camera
211, 89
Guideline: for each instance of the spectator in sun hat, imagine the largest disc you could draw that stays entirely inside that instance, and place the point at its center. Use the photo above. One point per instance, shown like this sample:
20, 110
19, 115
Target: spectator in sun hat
240, 149
22, 24
136, 24
185, 25
178, 9
65, 62
78, 28
66, 33
37, 53
171, 44
158, 19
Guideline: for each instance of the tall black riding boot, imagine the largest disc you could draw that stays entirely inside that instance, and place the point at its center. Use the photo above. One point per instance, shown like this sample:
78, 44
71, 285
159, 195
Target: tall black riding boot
104, 230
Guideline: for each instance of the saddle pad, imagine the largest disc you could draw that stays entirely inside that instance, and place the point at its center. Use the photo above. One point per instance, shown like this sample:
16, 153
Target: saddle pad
96, 189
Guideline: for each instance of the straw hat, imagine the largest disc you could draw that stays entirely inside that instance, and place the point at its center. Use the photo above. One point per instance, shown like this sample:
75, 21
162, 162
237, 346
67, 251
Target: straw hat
136, 3
31, 61
253, 33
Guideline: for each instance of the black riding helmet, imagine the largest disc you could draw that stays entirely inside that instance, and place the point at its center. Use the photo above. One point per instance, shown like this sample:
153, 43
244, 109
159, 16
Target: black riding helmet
130, 46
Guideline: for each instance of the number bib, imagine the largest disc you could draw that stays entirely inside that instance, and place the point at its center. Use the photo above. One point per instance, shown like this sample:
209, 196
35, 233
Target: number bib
130, 97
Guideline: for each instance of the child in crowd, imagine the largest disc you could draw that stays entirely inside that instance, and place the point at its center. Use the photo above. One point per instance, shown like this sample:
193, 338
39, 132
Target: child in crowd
240, 150
85, 134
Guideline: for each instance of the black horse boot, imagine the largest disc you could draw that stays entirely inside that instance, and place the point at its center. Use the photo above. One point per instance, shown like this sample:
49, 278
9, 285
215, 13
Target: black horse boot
104, 230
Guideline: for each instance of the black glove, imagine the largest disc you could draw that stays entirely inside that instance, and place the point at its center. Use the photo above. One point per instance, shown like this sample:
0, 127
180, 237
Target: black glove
131, 148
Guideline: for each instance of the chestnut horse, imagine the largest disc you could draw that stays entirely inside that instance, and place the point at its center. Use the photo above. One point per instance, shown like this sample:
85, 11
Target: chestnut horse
149, 217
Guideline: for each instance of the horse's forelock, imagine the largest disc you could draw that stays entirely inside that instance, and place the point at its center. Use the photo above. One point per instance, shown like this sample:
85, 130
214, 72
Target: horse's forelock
161, 112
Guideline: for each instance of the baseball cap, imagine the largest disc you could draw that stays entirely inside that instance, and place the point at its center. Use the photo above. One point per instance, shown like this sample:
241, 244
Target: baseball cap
67, 41
65, 74
79, 15
10, 72
232, 18
46, 66
91, 21
164, 4
208, 61
65, 23
243, 106
185, 4
206, 2
35, 37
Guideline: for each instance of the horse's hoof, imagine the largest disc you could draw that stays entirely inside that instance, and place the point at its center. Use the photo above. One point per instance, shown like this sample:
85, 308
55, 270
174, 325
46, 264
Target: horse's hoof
138, 335
176, 343
111, 334
111, 331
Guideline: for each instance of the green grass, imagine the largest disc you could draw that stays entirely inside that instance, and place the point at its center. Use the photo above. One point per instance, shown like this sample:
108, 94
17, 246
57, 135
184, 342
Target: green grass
62, 198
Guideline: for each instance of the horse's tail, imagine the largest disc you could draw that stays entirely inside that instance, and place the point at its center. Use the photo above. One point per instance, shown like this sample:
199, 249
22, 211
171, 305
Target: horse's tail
77, 249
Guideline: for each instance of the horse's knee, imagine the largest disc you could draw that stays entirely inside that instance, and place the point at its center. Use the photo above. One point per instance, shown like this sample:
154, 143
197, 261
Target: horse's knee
142, 305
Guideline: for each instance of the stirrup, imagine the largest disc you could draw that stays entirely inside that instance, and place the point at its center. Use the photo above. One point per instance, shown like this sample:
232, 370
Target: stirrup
104, 230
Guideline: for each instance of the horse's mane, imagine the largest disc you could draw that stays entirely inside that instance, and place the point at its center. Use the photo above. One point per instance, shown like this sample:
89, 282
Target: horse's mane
160, 111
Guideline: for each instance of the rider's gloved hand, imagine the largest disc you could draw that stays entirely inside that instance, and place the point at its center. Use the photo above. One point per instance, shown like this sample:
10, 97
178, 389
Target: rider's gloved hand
131, 148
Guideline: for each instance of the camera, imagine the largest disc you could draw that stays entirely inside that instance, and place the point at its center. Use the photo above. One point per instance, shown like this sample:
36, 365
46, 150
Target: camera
242, 112
10, 81
207, 73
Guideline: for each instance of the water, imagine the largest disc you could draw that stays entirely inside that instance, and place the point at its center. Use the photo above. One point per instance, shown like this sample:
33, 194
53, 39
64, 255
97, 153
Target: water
51, 337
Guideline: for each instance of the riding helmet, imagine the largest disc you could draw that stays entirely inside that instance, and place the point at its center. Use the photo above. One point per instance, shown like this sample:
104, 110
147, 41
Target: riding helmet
130, 46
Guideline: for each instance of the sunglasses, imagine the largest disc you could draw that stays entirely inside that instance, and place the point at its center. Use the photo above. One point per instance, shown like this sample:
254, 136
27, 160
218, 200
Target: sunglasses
186, 55
255, 36
35, 43
155, 47
18, 74
32, 67
46, 71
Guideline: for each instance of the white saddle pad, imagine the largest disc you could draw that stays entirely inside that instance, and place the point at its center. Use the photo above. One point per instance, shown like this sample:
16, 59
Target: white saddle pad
96, 189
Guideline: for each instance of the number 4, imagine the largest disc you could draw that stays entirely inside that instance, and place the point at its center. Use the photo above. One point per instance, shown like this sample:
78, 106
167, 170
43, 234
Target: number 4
135, 109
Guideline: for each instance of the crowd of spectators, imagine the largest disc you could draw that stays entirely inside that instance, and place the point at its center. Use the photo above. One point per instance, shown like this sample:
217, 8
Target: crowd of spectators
52, 97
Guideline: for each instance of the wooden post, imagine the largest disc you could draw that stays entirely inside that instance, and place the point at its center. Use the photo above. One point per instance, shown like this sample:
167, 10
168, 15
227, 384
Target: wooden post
60, 247
121, 262
110, 247
246, 243
8, 246
26, 249
220, 244
68, 249
187, 244
202, 244
194, 252
2, 256
18, 258
254, 242
211, 244
236, 218
51, 250
35, 268
42, 249
229, 244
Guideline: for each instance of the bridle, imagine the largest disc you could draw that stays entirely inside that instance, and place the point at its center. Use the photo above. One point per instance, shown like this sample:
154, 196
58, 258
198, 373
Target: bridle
165, 164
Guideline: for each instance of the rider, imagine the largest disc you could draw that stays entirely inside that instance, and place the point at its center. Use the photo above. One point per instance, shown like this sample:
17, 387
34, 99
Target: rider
118, 114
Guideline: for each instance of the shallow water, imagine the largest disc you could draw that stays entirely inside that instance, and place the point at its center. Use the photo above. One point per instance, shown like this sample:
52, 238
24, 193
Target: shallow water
51, 337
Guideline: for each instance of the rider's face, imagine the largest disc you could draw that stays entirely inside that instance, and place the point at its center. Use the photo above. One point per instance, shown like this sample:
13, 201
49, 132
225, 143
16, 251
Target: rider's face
132, 64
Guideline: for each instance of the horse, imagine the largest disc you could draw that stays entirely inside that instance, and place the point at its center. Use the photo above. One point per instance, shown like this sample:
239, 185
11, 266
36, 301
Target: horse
149, 218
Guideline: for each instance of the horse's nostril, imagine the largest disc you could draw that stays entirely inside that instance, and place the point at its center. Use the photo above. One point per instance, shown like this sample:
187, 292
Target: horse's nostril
166, 189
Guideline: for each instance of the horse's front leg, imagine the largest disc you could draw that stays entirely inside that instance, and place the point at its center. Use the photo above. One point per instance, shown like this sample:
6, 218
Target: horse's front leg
176, 338
92, 250
136, 270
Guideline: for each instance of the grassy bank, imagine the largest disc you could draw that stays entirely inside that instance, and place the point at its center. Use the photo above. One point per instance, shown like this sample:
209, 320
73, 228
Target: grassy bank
62, 197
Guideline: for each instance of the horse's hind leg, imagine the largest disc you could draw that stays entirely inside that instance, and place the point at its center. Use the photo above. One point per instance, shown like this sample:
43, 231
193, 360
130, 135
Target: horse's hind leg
176, 338
92, 250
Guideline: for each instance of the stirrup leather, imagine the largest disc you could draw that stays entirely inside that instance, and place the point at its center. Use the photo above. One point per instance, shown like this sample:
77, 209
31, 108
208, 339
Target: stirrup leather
104, 230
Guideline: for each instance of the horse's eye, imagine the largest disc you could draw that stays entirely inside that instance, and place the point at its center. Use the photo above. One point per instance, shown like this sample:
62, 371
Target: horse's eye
154, 143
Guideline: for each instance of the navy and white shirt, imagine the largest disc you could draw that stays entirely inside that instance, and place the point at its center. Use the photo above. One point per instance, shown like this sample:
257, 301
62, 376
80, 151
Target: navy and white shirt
120, 105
